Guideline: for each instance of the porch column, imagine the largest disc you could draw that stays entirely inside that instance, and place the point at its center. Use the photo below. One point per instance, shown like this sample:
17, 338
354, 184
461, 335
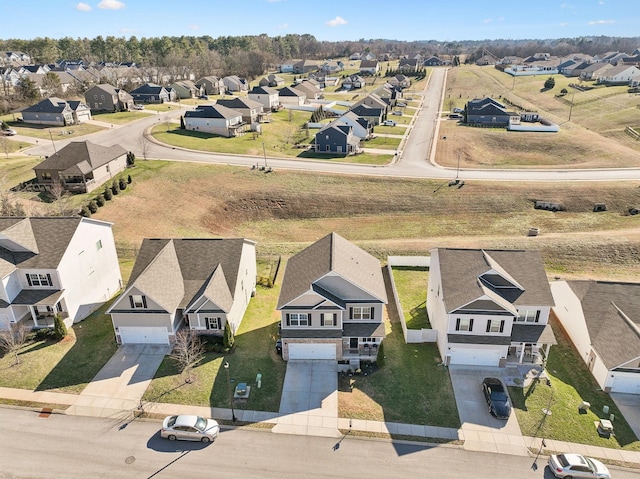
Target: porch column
546, 353
521, 358
34, 316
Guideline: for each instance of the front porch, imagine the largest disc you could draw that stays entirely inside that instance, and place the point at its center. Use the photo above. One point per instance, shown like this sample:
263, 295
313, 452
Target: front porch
530, 344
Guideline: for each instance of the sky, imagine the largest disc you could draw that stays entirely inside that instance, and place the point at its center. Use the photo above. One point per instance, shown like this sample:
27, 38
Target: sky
328, 20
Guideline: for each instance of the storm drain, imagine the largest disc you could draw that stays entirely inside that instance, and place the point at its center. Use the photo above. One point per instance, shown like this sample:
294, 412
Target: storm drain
129, 460
45, 412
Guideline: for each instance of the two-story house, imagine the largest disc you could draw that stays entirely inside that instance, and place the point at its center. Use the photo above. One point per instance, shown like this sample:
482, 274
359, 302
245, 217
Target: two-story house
215, 119
203, 282
332, 303
251, 111
55, 265
266, 96
490, 307
105, 97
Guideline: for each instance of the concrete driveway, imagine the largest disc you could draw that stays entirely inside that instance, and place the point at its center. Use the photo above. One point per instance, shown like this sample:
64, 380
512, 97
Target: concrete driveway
482, 431
118, 387
309, 403
629, 405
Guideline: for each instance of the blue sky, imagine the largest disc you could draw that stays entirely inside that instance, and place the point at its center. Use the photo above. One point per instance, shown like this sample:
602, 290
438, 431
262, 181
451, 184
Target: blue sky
330, 20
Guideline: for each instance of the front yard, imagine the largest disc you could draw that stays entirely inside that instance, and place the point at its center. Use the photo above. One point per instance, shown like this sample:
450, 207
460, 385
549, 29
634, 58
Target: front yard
571, 383
45, 132
62, 366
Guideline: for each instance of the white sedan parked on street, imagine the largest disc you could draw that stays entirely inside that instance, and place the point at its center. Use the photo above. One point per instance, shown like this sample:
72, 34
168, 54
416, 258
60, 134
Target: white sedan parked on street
189, 428
575, 466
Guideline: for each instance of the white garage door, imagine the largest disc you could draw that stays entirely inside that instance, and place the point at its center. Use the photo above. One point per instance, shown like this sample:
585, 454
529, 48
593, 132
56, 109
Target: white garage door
82, 117
629, 383
138, 335
312, 351
475, 357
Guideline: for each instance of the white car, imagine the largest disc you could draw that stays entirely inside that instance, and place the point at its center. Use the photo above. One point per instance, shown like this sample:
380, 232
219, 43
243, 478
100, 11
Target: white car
187, 427
389, 123
575, 466
9, 132
396, 112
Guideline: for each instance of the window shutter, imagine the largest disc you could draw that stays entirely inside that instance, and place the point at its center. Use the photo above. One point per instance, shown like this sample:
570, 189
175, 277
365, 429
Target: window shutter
335, 319
502, 326
457, 324
131, 301
321, 319
350, 313
288, 320
537, 316
488, 326
471, 324
144, 302
29, 279
309, 319
51, 284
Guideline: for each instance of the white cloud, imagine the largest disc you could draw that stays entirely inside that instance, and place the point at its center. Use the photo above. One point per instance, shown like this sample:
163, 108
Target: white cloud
128, 31
487, 20
194, 27
111, 5
601, 22
564, 24
600, 3
283, 26
83, 7
337, 21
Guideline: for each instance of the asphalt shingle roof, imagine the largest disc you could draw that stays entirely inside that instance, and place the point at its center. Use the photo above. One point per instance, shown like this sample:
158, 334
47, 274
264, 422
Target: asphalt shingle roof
81, 157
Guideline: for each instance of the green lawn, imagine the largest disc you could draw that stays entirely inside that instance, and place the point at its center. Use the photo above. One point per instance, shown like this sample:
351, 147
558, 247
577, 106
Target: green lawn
161, 107
121, 117
409, 388
411, 284
254, 353
48, 132
571, 383
63, 366
383, 142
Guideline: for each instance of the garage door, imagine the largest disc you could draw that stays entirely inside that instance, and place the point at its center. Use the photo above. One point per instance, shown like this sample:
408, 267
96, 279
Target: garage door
626, 384
82, 117
312, 351
475, 357
137, 335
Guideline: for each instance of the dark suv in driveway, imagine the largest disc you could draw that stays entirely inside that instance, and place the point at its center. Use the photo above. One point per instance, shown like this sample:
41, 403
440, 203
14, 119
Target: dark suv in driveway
496, 396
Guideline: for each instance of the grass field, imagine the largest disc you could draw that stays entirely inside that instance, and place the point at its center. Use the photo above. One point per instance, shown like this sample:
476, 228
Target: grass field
48, 132
411, 284
594, 137
121, 117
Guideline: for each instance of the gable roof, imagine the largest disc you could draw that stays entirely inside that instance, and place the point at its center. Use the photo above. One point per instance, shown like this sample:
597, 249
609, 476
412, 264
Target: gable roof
612, 315
236, 103
263, 90
334, 254
81, 157
48, 105
192, 267
148, 89
212, 111
289, 91
364, 111
469, 274
35, 242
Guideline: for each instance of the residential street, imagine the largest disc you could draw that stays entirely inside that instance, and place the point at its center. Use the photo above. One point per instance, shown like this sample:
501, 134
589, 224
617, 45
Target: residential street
413, 163
68, 447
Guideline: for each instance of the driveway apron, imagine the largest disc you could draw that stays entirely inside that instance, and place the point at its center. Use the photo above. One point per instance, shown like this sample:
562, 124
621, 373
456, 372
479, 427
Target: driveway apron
629, 405
482, 431
309, 403
117, 389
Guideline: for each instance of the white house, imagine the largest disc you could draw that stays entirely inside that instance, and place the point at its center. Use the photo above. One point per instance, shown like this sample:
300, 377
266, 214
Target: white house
292, 96
266, 96
55, 265
602, 320
619, 75
215, 119
201, 282
361, 127
490, 308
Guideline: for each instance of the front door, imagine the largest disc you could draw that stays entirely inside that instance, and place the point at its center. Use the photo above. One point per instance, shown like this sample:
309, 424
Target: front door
353, 344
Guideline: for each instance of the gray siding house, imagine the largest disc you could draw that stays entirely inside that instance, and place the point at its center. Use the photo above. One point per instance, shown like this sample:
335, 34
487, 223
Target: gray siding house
105, 97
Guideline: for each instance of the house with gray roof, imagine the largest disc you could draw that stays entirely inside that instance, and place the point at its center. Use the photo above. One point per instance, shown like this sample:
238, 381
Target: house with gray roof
81, 166
212, 85
490, 307
199, 283
235, 83
292, 96
602, 320
150, 93
56, 112
266, 96
50, 266
595, 70
272, 81
187, 89
216, 120
251, 110
337, 138
332, 302
105, 97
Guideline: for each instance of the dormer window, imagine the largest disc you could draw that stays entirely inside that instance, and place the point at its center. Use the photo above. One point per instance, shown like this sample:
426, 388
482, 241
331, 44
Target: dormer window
138, 301
39, 279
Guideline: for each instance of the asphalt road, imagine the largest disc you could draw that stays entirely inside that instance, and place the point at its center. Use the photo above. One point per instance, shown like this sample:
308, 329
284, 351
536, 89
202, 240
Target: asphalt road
79, 447
413, 163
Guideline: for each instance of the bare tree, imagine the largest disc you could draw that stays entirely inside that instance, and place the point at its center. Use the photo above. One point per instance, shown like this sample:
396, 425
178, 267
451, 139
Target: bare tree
144, 146
5, 145
188, 351
12, 340
61, 199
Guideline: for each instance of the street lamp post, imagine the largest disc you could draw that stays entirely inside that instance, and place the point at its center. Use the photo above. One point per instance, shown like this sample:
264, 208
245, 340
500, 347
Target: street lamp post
571, 107
226, 368
264, 152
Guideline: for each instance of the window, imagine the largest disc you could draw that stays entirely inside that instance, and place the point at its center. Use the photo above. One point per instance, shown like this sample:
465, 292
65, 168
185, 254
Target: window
495, 326
328, 319
46, 175
361, 312
39, 279
528, 316
298, 319
99, 245
369, 340
138, 301
464, 324
212, 323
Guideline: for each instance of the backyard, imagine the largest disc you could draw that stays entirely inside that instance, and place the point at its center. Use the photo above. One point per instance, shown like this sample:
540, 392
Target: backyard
411, 284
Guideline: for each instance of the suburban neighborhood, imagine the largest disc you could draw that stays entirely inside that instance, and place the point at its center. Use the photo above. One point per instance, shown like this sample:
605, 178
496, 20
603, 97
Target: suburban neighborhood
385, 245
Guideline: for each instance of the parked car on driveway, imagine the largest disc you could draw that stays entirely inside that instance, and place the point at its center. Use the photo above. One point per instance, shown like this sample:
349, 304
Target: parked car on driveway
496, 396
575, 465
138, 107
401, 104
458, 110
187, 427
9, 132
455, 116
389, 123
396, 112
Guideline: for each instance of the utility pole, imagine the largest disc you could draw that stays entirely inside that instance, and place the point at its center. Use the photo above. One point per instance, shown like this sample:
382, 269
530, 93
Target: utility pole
226, 368
571, 107
264, 152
